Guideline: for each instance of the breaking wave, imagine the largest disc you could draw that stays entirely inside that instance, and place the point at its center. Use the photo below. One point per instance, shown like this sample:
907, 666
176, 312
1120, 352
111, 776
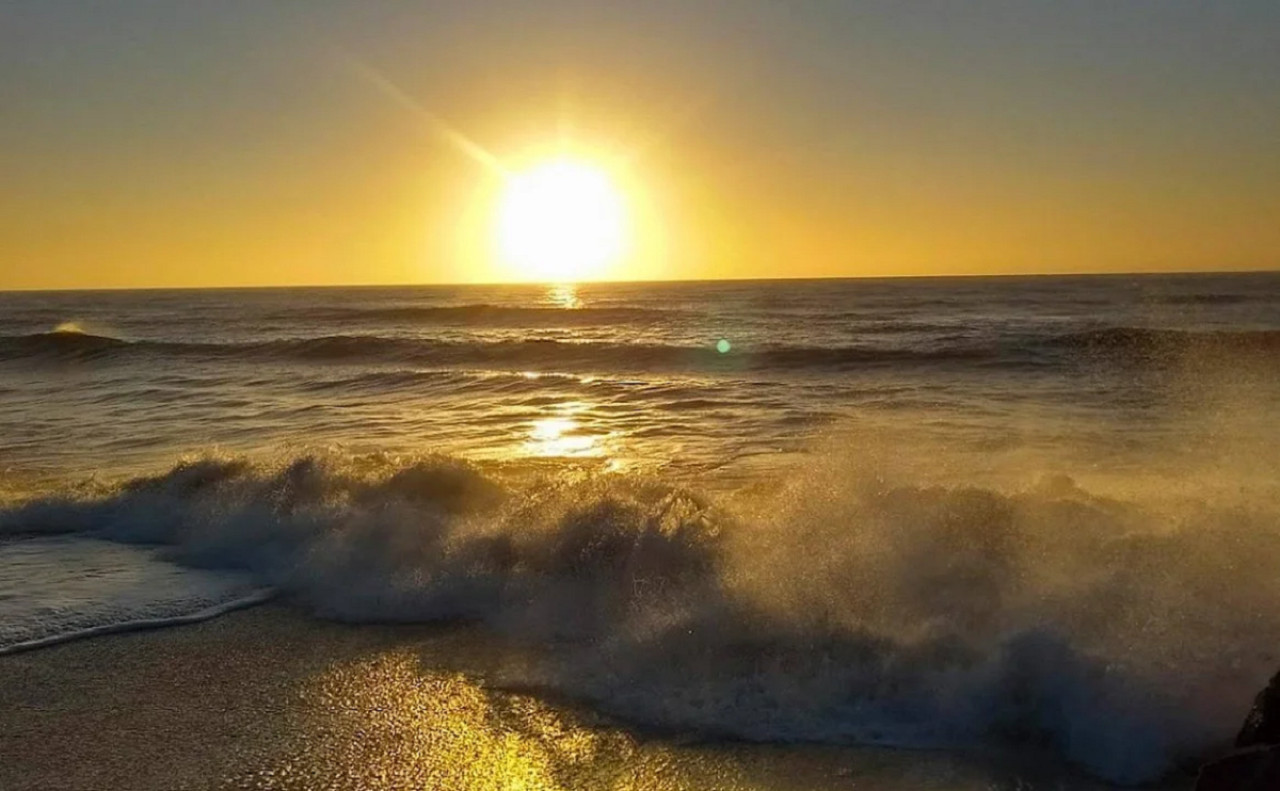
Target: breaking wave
849, 604
62, 343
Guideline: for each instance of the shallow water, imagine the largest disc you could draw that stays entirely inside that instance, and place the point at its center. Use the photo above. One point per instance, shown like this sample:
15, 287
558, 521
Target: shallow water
323, 705
67, 587
967, 514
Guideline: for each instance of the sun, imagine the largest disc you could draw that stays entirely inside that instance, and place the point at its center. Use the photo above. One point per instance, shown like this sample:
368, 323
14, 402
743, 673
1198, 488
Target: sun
561, 221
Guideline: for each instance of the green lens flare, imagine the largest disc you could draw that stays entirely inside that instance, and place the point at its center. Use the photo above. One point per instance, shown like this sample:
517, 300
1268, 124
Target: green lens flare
723, 346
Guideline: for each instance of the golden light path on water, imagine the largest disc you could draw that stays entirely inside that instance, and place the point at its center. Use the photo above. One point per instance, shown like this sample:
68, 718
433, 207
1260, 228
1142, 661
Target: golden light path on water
564, 437
562, 433
273, 700
564, 295
554, 436
389, 721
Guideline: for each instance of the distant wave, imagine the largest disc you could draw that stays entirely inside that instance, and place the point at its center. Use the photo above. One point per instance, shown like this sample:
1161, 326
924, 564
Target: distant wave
851, 607
484, 314
1151, 342
59, 344
1206, 299
374, 349
1015, 350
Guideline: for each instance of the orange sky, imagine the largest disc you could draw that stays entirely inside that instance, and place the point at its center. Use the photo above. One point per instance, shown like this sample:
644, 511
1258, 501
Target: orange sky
147, 145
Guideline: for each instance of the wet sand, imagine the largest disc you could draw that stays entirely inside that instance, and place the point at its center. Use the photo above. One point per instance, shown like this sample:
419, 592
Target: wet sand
268, 699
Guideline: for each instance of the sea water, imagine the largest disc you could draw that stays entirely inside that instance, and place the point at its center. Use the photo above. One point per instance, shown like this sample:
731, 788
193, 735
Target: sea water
926, 513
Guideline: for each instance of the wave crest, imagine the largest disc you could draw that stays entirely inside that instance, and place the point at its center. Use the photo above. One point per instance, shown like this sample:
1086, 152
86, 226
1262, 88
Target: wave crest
1116, 344
66, 341
1124, 634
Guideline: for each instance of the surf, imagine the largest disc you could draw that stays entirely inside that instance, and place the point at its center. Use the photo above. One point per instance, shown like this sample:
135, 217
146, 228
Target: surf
856, 601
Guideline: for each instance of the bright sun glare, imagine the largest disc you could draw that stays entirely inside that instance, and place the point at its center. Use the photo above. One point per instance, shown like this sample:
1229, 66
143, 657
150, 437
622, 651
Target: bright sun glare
561, 221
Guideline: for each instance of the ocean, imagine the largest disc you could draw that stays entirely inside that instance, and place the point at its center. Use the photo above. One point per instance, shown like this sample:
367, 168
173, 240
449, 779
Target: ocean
951, 513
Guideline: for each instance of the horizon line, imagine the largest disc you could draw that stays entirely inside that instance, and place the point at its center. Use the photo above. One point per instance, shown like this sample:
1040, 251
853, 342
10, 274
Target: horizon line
668, 281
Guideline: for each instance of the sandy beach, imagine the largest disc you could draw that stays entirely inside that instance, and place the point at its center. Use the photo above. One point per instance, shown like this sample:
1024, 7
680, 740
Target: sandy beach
266, 698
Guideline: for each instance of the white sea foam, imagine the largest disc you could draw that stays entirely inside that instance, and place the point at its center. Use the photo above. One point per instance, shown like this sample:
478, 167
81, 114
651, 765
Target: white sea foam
855, 602
58, 589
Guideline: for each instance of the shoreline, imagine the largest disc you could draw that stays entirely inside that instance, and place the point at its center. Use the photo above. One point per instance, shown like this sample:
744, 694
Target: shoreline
145, 625
268, 698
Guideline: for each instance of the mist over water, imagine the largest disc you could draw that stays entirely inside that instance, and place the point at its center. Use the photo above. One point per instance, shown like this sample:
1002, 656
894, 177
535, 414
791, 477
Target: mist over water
1034, 513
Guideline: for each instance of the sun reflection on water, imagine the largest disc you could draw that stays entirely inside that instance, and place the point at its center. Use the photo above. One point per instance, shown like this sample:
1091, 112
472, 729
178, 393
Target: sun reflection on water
388, 722
564, 295
558, 436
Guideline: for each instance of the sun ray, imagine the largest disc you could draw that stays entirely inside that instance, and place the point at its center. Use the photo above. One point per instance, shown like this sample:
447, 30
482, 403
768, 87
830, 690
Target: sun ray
438, 125
564, 115
562, 219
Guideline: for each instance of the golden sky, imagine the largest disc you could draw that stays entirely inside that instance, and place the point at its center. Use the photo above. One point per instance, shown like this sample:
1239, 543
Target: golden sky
151, 144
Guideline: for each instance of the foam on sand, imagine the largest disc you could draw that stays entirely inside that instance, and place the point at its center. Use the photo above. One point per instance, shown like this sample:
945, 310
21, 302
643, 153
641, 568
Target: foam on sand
58, 589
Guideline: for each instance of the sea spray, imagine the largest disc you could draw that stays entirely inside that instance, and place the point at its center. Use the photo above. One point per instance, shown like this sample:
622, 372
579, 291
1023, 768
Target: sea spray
852, 602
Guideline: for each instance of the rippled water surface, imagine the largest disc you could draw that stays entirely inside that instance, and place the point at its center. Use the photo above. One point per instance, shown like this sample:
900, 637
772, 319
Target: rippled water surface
945, 513
699, 375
